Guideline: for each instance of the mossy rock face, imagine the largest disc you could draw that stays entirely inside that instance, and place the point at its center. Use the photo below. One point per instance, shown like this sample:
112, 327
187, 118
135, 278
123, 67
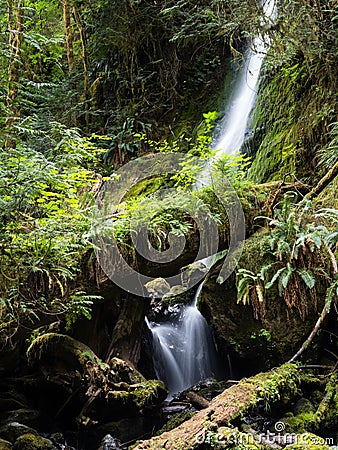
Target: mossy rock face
309, 441
127, 400
257, 343
13, 430
291, 119
5, 445
29, 417
33, 442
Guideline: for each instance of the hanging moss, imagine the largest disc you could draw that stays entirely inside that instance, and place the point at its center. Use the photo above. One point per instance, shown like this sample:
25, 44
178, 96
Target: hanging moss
291, 121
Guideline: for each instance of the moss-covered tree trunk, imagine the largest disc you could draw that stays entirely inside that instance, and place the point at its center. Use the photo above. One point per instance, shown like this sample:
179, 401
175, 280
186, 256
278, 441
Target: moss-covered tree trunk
14, 18
226, 408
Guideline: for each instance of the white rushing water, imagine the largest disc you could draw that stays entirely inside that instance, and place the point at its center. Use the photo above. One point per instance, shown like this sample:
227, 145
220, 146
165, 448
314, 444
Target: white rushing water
184, 351
235, 122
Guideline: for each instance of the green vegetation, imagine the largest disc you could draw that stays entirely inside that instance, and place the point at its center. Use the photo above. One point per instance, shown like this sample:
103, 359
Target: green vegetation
294, 244
295, 112
87, 87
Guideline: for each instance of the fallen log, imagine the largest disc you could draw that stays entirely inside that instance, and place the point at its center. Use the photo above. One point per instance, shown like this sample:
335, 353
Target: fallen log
196, 400
226, 408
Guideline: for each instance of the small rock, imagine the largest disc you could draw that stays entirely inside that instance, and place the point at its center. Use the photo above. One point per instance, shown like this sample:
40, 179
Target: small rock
157, 288
109, 443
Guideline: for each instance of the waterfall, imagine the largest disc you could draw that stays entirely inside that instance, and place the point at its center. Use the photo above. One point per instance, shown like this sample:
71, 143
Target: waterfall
234, 125
184, 351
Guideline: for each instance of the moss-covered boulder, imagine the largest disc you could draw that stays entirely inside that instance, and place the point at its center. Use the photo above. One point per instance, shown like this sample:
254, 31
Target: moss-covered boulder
101, 391
5, 445
58, 354
157, 287
33, 442
13, 430
260, 335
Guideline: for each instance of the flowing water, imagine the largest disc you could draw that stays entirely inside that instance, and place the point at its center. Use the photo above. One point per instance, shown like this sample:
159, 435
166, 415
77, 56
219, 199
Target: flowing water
234, 126
184, 351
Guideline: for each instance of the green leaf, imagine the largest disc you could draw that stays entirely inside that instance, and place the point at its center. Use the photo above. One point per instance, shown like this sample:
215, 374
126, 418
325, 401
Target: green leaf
308, 278
274, 278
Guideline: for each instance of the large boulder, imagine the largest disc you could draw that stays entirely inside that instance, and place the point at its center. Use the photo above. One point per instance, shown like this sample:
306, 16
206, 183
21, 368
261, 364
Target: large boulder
33, 442
247, 341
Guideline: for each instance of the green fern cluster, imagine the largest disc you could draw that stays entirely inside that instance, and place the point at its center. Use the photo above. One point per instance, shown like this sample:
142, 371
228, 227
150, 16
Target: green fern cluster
296, 236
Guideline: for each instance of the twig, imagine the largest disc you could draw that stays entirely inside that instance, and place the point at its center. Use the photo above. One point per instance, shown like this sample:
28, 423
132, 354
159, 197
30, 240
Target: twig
321, 317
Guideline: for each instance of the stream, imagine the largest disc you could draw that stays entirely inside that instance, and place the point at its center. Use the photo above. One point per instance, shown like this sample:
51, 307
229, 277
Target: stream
184, 352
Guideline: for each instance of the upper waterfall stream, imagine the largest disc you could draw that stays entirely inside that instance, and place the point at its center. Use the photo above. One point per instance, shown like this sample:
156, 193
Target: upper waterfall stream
235, 122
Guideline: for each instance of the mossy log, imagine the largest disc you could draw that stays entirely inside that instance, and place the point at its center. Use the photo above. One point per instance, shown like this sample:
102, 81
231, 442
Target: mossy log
227, 408
102, 390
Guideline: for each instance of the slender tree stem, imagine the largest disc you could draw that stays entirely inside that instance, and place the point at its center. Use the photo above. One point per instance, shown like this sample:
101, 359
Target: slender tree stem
322, 316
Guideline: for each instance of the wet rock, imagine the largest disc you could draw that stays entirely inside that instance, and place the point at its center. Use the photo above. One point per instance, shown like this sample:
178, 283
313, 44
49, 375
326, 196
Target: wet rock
33, 442
193, 273
158, 287
5, 445
304, 406
131, 429
109, 443
248, 340
29, 417
59, 441
162, 310
13, 430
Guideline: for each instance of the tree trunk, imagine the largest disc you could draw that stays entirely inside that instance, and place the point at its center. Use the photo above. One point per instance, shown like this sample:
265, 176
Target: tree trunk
69, 35
322, 316
126, 337
84, 58
14, 18
226, 409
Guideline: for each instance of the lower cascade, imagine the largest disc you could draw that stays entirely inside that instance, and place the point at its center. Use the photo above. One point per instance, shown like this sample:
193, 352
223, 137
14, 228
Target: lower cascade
184, 351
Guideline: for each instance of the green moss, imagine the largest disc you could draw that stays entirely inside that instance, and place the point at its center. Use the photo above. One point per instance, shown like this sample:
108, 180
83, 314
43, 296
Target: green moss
270, 387
309, 441
300, 423
175, 421
148, 393
291, 119
5, 445
32, 442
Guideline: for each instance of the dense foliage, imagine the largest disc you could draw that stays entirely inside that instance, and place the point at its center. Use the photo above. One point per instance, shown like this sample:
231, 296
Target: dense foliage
86, 86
